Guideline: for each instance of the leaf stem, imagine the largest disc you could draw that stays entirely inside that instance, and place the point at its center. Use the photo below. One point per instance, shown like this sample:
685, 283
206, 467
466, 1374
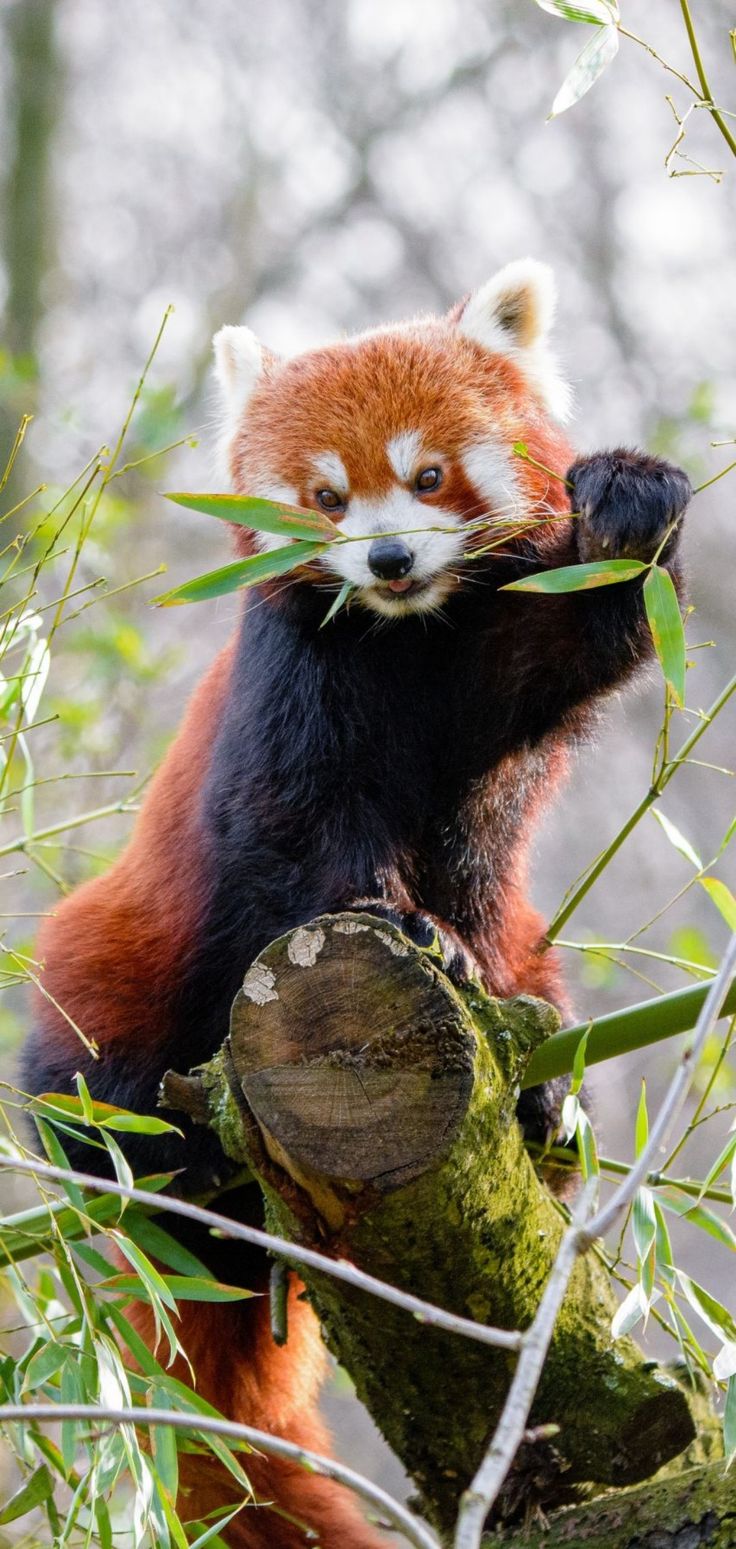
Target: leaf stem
593, 872
706, 93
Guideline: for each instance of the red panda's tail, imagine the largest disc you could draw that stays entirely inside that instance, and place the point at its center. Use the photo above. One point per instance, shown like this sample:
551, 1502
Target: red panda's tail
244, 1374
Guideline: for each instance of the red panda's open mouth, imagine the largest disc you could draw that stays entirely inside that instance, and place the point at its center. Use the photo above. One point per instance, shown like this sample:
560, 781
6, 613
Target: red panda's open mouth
407, 586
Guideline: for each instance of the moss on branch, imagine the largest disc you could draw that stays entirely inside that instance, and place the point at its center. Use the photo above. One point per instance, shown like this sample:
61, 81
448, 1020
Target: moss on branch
376, 1107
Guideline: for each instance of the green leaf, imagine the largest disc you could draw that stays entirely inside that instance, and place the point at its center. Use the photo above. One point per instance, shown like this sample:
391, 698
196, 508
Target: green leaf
578, 1064
678, 840
641, 1131
578, 578
163, 1447
139, 1124
152, 1280
595, 12
214, 1531
587, 1149
722, 898
242, 573
665, 623
160, 1245
713, 1313
701, 1216
633, 1308
729, 1422
664, 1258
262, 515
185, 1288
643, 1222
57, 1155
34, 1492
43, 1365
590, 63
728, 1154
341, 598
85, 1098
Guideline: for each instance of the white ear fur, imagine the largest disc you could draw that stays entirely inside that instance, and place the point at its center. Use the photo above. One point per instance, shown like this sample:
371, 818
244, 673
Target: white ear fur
238, 365
512, 315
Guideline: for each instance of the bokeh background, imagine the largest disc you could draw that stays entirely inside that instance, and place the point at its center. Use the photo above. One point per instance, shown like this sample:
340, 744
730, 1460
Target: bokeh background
313, 167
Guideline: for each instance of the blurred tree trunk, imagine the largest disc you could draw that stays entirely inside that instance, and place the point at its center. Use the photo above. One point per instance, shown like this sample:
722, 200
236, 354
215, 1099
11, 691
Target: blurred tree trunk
27, 225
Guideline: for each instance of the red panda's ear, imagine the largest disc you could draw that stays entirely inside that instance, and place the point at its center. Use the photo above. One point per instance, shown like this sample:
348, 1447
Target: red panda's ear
512, 315
239, 361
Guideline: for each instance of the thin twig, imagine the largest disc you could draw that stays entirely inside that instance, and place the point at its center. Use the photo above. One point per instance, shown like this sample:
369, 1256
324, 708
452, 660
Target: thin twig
593, 872
339, 1269
262, 1441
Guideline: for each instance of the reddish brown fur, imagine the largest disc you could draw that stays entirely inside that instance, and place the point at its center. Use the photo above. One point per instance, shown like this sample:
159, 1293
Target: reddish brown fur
245, 1375
118, 950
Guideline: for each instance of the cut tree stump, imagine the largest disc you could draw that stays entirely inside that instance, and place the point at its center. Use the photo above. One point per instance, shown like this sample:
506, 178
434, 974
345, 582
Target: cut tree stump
376, 1107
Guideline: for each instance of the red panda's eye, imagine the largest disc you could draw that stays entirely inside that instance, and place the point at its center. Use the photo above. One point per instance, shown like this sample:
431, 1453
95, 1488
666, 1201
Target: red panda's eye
330, 500
429, 478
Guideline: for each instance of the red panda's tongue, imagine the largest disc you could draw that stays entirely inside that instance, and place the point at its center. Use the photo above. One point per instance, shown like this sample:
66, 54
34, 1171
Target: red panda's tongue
402, 585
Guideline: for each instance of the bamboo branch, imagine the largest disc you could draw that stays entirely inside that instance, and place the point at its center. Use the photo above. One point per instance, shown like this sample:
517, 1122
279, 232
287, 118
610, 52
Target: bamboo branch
621, 1032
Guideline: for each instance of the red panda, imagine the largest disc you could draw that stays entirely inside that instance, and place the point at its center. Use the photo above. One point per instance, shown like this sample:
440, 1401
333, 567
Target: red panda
399, 755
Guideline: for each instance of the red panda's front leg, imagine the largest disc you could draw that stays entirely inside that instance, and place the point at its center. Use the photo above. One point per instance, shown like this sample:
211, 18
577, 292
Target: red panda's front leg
426, 930
625, 503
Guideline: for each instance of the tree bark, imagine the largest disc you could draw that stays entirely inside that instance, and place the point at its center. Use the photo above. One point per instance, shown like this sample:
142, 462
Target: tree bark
695, 1508
376, 1107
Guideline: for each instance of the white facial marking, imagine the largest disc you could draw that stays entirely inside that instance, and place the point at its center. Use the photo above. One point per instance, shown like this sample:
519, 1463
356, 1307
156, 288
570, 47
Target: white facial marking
435, 552
330, 467
491, 472
403, 452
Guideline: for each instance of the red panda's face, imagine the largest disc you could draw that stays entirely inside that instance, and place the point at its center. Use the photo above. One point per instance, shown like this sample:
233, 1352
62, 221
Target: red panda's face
404, 436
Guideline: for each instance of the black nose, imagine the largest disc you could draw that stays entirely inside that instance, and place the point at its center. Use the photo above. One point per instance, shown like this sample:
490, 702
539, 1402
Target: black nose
390, 559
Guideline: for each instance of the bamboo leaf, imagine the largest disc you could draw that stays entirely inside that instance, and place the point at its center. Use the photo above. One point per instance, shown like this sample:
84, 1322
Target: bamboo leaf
729, 1422
242, 573
641, 1130
339, 601
594, 12
678, 840
159, 1244
590, 63
34, 1492
700, 1216
213, 1532
722, 897
262, 515
139, 1124
633, 1308
643, 1223
724, 1365
578, 1066
713, 1313
164, 1448
665, 623
578, 578
185, 1288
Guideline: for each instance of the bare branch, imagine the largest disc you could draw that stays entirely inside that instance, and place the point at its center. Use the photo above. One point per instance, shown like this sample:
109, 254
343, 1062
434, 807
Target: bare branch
340, 1269
274, 1446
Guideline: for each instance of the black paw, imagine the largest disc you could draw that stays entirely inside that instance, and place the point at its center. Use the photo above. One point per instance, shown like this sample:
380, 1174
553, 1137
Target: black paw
458, 961
626, 501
